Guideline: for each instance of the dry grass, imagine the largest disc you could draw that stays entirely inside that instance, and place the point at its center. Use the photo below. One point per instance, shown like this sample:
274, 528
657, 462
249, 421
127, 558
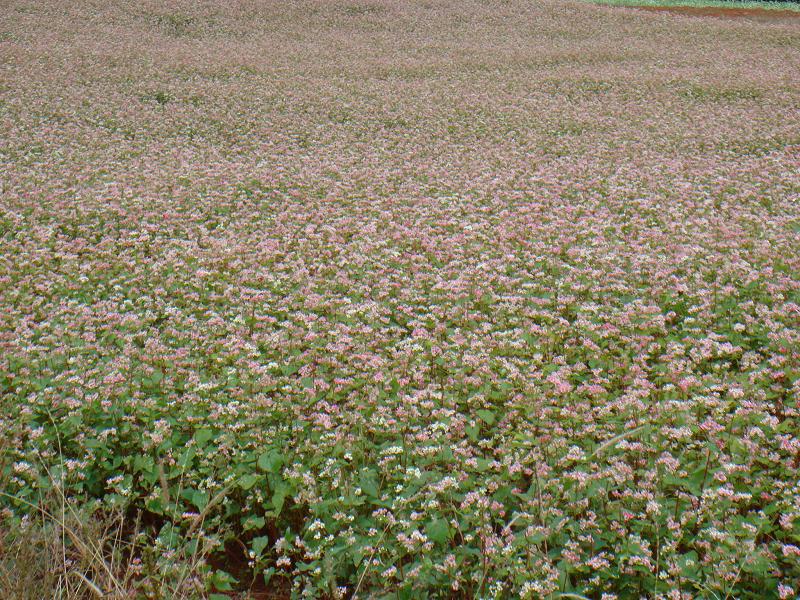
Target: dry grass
79, 557
63, 550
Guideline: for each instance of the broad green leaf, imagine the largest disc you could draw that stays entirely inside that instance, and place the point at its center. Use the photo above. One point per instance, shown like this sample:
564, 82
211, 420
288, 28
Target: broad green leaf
201, 436
259, 543
278, 498
270, 461
368, 483
200, 499
438, 531
248, 481
486, 416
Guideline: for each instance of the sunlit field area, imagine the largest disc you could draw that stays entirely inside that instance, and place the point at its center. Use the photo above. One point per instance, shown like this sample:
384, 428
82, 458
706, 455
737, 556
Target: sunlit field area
398, 300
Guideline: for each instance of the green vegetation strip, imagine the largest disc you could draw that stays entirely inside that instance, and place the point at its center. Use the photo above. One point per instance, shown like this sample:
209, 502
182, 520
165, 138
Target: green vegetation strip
787, 6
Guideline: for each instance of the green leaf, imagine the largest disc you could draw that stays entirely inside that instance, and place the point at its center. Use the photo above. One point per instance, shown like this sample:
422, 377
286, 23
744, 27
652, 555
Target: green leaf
201, 436
259, 543
248, 481
357, 555
143, 463
278, 498
407, 593
253, 522
290, 369
438, 531
368, 483
486, 416
154, 505
222, 580
757, 565
186, 458
270, 461
200, 499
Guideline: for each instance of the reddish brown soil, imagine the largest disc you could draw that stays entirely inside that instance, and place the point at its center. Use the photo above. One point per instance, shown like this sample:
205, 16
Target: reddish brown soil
752, 14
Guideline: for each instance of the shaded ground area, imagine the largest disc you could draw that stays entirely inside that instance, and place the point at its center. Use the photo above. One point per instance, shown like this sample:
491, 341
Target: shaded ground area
751, 14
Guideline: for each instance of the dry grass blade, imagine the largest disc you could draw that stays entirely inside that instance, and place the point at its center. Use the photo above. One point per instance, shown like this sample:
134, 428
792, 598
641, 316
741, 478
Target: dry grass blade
95, 590
615, 440
199, 519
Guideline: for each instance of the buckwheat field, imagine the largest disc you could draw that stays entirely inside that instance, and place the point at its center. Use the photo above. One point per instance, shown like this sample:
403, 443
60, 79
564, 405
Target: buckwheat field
397, 300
